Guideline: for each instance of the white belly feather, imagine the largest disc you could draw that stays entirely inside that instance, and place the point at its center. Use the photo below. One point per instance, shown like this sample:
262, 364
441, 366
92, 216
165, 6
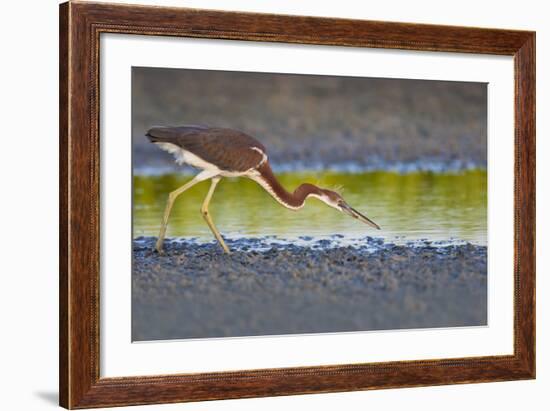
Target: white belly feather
186, 157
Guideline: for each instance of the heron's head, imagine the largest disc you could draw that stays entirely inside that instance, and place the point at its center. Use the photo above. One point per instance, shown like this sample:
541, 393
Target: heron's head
335, 200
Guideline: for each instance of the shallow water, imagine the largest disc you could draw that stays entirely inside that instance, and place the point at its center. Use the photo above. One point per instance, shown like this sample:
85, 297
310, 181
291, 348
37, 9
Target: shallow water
408, 207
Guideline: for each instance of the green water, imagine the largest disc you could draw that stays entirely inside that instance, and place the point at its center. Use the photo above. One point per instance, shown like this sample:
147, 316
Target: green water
407, 207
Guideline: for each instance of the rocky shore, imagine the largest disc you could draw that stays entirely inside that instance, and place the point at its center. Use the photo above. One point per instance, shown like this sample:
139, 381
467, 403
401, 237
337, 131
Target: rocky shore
268, 287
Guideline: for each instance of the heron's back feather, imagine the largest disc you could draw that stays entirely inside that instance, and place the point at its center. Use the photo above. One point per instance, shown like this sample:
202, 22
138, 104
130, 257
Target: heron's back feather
227, 149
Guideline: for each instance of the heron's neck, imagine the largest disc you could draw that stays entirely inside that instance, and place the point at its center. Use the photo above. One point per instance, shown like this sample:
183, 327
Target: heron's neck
294, 200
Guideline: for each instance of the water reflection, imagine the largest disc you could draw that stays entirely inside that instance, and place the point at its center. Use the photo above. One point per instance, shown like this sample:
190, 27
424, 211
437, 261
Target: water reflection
406, 206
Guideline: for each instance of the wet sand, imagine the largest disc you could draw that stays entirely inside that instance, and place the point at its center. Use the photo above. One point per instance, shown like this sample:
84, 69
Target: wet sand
267, 288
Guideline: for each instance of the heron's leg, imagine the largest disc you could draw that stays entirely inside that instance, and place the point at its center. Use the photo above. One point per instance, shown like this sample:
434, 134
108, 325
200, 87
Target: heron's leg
171, 198
206, 214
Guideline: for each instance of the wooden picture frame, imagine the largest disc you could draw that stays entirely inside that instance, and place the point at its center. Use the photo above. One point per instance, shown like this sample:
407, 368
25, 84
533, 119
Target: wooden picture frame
80, 27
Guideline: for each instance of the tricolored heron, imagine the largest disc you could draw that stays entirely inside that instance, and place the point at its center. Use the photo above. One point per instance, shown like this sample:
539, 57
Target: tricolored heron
223, 152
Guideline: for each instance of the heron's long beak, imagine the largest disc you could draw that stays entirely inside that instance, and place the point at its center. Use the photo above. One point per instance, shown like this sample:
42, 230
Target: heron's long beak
356, 214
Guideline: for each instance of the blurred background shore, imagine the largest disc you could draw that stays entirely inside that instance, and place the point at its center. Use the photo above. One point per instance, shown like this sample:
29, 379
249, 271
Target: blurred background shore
318, 122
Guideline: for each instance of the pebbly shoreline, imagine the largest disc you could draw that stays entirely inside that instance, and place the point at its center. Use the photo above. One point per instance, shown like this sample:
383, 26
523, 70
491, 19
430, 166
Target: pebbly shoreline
270, 288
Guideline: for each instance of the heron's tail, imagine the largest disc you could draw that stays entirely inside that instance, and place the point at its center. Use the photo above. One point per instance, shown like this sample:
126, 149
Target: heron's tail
166, 134
159, 135
153, 139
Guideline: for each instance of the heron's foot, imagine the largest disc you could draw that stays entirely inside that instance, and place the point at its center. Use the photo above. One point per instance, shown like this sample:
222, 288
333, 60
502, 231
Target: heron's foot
159, 249
226, 249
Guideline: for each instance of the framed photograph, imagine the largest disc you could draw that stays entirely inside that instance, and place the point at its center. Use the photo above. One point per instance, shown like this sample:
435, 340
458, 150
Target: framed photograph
258, 205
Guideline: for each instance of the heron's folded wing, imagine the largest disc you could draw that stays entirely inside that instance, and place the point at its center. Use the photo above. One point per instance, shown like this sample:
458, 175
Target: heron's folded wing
229, 150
